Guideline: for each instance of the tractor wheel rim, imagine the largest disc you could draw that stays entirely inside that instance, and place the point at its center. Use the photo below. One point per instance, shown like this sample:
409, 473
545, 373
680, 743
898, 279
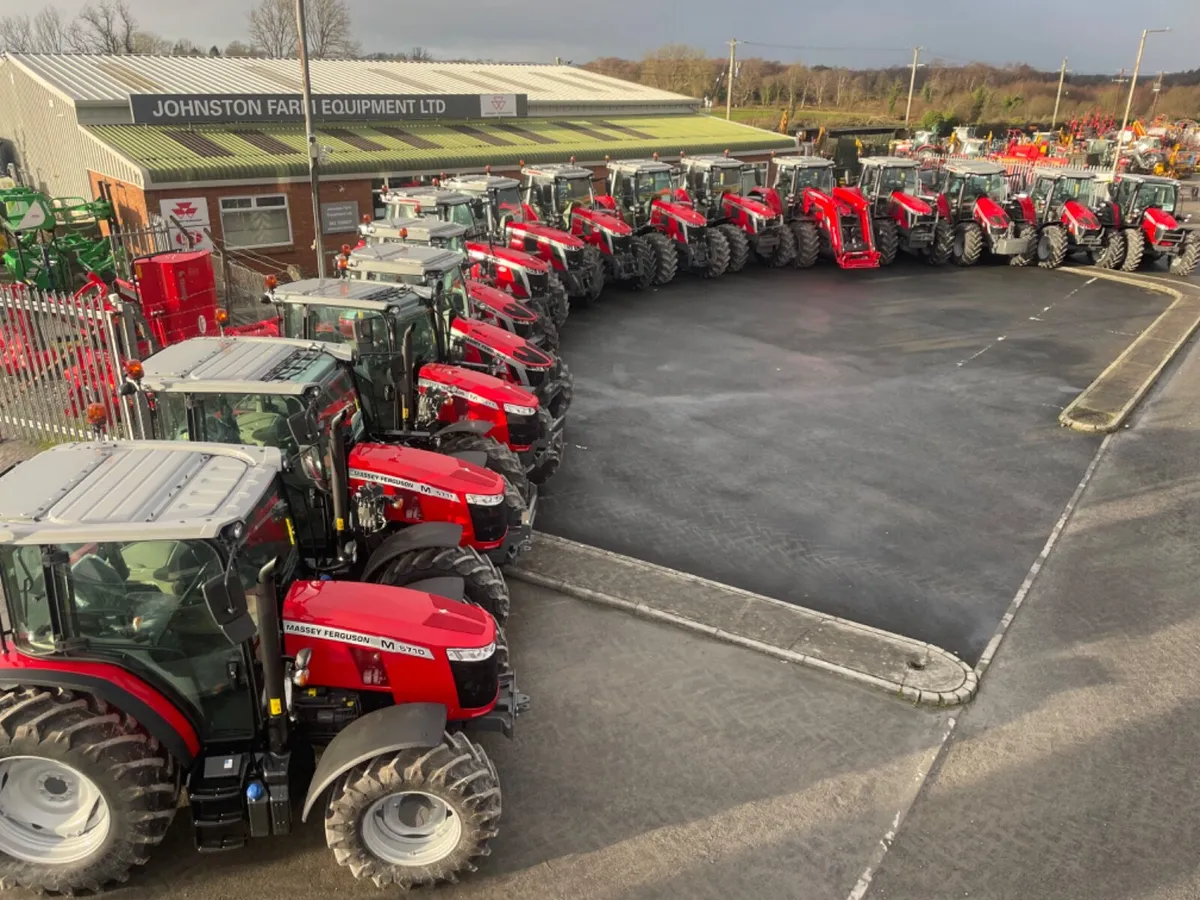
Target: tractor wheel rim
960, 244
1043, 247
50, 812
411, 828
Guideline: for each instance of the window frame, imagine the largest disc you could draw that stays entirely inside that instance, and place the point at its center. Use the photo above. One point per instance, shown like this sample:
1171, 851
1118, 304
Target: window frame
254, 207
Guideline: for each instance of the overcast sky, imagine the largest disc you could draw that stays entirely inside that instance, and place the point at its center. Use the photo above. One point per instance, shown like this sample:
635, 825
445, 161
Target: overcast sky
1097, 35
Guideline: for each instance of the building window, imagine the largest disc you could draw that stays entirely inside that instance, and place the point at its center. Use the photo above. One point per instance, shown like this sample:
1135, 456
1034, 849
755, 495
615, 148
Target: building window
259, 221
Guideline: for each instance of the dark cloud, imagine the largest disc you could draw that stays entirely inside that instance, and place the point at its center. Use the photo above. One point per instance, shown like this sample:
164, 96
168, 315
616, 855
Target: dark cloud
1099, 36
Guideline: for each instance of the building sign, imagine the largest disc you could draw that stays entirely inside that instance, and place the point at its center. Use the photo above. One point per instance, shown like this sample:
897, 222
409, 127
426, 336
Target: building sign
200, 109
192, 215
338, 218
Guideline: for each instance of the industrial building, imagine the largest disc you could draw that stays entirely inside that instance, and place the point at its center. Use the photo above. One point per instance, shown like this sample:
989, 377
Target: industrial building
219, 143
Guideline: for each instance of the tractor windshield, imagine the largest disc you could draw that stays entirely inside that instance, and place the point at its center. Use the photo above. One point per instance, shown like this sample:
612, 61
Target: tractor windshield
899, 179
508, 205
726, 180
1077, 189
819, 178
258, 419
459, 214
1156, 194
574, 190
993, 186
458, 243
652, 185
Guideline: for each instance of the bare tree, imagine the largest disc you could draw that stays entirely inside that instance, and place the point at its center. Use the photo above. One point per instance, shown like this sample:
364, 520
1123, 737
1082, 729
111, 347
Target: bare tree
16, 34
273, 28
49, 32
147, 43
106, 27
329, 35
418, 54
239, 49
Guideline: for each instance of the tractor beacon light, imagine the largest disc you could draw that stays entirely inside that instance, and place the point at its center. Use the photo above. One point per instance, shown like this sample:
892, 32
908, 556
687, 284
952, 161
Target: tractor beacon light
134, 369
403, 233
221, 316
97, 415
271, 282
346, 250
487, 170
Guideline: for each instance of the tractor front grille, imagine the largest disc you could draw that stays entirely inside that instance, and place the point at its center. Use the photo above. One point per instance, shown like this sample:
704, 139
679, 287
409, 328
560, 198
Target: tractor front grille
522, 430
539, 283
622, 243
574, 258
477, 683
524, 328
490, 523
536, 376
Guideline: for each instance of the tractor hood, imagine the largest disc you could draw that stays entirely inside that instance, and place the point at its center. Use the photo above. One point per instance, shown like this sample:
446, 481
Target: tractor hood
912, 204
749, 204
495, 340
546, 233
503, 303
421, 471
1158, 218
324, 614
684, 213
475, 387
1077, 215
991, 211
506, 256
603, 219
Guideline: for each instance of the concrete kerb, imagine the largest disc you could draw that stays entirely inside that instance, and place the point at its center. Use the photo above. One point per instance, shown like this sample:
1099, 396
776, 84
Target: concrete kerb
1139, 364
904, 667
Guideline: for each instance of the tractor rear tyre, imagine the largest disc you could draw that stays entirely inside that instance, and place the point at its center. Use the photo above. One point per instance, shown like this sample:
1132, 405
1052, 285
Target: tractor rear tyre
1185, 262
968, 244
560, 303
500, 459
666, 258
593, 261
646, 261
943, 244
785, 252
551, 459
85, 792
1135, 248
1052, 247
567, 384
887, 241
718, 253
808, 244
739, 246
1112, 252
416, 818
550, 335
483, 584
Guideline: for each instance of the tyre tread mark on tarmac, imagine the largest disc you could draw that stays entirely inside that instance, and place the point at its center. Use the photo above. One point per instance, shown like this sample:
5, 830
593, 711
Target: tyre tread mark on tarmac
930, 760
1037, 318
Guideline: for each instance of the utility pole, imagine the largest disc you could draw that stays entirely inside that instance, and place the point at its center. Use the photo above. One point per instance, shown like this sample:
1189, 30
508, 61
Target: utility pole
314, 149
1132, 86
1062, 74
1157, 92
912, 84
729, 83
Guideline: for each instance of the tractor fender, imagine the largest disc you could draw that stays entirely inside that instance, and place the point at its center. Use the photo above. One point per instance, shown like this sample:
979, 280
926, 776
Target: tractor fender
471, 426
413, 537
474, 457
387, 730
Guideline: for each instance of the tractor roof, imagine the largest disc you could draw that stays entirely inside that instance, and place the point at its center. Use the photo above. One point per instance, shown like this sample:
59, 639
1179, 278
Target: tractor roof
633, 166
892, 162
712, 159
974, 167
803, 162
1062, 172
422, 230
1146, 179
250, 365
403, 259
349, 294
131, 491
477, 184
558, 170
428, 196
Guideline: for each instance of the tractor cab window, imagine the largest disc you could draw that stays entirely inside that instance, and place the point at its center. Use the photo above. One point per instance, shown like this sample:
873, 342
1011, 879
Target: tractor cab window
901, 179
170, 411
818, 178
455, 290
1077, 189
28, 602
869, 180
460, 214
363, 329
1151, 194
752, 177
1042, 189
992, 186
727, 180
259, 420
652, 186
508, 205
574, 190
458, 243
425, 341
269, 535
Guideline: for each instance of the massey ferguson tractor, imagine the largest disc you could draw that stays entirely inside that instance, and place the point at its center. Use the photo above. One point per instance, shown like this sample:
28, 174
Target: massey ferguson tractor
488, 304
823, 217
714, 184
499, 209
642, 192
406, 371
973, 197
1058, 208
299, 397
1143, 211
165, 636
563, 194
524, 275
900, 218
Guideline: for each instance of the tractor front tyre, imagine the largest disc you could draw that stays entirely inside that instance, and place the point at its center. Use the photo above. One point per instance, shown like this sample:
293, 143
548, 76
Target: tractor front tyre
500, 458
646, 261
483, 584
718, 254
785, 251
887, 241
666, 258
1185, 263
566, 385
968, 244
808, 244
739, 246
593, 262
550, 338
560, 303
415, 818
1052, 246
1112, 251
943, 244
1135, 248
85, 792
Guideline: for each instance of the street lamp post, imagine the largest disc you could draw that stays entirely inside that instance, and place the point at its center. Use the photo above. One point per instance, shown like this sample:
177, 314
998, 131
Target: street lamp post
1129, 101
912, 83
314, 149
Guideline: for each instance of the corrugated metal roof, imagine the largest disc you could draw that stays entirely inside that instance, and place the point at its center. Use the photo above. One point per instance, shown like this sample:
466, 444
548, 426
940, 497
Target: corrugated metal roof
112, 79
427, 146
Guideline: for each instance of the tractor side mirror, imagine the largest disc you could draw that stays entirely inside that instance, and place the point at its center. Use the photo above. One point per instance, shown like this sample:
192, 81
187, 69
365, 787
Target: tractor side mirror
226, 601
303, 428
363, 331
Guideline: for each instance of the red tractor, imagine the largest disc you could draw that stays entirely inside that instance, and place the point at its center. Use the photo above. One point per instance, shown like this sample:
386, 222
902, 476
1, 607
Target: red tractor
822, 216
901, 219
504, 217
1140, 217
488, 304
525, 276
973, 196
715, 185
407, 375
1058, 207
642, 192
564, 193
166, 636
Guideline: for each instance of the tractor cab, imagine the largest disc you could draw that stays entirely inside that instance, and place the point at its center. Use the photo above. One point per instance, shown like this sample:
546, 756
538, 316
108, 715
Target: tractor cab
1059, 192
497, 200
429, 232
443, 205
708, 179
796, 174
883, 176
1135, 194
637, 185
965, 182
555, 191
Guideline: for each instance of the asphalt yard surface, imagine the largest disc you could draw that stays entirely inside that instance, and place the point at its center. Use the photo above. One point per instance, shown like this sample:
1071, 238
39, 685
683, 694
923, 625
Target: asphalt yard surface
882, 446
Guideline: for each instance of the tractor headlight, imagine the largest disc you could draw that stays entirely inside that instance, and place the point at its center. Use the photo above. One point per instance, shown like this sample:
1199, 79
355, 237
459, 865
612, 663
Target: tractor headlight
485, 499
471, 654
518, 410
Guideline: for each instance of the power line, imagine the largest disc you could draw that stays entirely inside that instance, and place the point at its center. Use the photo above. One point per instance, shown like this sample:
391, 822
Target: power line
827, 49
